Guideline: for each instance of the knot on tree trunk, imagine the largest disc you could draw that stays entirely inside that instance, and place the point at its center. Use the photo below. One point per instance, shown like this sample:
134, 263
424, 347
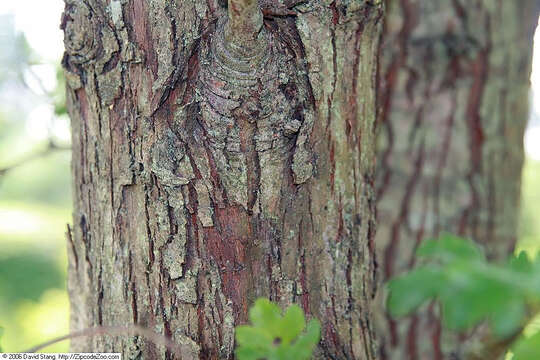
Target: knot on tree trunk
80, 39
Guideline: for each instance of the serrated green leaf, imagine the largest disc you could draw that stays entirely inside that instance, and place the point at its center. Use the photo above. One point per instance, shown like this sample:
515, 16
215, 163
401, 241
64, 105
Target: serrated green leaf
449, 247
527, 348
409, 291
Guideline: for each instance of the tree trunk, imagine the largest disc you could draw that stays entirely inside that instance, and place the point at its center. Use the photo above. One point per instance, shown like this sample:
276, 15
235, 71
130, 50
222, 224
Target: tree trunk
219, 157
454, 83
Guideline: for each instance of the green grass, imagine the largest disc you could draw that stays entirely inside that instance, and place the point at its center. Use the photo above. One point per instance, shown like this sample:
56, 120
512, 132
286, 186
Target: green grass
35, 206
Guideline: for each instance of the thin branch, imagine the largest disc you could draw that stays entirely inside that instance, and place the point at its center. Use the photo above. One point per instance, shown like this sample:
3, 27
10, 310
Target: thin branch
51, 147
48, 94
155, 338
244, 25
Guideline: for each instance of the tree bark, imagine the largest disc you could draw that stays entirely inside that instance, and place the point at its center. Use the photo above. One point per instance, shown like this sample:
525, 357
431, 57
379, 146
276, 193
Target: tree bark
218, 158
454, 82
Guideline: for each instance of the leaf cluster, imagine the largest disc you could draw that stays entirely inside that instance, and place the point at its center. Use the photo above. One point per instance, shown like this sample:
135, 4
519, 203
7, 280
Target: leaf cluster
275, 337
470, 289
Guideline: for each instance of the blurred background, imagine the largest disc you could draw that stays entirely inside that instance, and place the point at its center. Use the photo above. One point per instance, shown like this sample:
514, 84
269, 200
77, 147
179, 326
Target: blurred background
35, 185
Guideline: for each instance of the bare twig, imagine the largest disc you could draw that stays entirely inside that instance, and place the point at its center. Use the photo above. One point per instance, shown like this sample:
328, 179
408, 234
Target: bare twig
51, 147
148, 334
244, 25
48, 94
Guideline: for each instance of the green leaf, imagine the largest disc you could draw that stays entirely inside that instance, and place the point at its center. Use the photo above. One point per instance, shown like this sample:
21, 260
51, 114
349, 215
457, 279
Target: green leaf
521, 263
1, 334
527, 348
266, 314
461, 311
409, 291
470, 290
304, 346
450, 247
253, 336
509, 318
250, 353
275, 337
472, 293
292, 324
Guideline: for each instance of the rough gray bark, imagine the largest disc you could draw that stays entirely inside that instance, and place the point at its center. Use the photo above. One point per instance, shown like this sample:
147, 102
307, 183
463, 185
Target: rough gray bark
214, 164
454, 83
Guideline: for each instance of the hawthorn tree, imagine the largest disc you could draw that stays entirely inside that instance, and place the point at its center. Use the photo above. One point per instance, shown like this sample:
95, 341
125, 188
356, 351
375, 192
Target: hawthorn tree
221, 152
454, 82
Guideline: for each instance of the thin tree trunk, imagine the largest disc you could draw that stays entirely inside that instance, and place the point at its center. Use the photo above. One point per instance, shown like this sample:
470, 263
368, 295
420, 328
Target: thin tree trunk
217, 158
454, 85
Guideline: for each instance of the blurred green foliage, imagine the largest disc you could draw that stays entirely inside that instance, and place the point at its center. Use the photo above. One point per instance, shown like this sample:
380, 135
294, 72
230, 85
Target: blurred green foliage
529, 238
527, 348
275, 337
45, 180
455, 273
59, 93
27, 275
35, 203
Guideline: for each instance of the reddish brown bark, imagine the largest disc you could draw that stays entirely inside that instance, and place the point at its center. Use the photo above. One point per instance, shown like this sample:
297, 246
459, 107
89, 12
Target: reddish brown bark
454, 83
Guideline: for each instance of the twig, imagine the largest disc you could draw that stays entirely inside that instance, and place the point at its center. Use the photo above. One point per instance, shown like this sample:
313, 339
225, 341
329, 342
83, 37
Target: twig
48, 94
51, 147
155, 338
244, 25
